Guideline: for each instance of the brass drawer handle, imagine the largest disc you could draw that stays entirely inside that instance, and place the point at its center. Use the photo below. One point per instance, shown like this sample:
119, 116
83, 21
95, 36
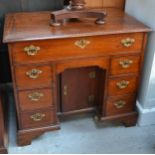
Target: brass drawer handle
123, 84
34, 73
31, 50
36, 96
126, 63
37, 117
120, 104
82, 43
128, 42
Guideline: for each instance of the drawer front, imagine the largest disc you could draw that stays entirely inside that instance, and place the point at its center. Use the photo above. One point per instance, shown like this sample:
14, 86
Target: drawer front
121, 86
41, 51
33, 77
38, 119
36, 99
125, 64
120, 105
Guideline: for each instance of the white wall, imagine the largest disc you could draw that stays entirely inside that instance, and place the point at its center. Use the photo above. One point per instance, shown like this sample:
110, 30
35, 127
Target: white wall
144, 10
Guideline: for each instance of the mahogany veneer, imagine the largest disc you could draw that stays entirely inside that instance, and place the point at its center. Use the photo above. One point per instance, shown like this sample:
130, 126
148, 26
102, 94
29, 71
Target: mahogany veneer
107, 59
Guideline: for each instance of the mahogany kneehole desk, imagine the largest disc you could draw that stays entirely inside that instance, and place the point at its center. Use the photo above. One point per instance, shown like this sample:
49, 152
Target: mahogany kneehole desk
78, 67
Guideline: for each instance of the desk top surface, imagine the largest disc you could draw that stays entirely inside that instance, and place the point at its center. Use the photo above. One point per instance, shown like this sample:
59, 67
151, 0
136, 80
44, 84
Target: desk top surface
35, 26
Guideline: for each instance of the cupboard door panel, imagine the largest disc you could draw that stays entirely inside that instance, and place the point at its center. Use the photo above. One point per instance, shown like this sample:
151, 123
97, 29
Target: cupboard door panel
80, 88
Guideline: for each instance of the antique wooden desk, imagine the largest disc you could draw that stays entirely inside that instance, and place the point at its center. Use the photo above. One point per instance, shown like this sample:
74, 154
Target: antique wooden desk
43, 58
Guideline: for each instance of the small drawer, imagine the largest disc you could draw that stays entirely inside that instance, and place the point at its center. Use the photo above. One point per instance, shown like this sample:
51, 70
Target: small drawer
38, 119
33, 77
120, 105
121, 86
124, 65
35, 99
49, 50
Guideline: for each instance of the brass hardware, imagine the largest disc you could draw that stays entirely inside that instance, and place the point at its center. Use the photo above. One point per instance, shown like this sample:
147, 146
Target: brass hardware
82, 43
31, 50
65, 90
91, 98
123, 84
35, 97
128, 42
92, 75
126, 63
34, 73
37, 117
120, 104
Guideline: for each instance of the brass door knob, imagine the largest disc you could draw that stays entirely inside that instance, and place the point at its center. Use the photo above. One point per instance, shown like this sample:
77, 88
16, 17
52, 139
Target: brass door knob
31, 50
120, 104
65, 90
34, 73
37, 117
36, 96
123, 84
128, 42
126, 63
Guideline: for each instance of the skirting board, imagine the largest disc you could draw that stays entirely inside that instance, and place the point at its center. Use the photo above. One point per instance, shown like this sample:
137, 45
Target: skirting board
146, 116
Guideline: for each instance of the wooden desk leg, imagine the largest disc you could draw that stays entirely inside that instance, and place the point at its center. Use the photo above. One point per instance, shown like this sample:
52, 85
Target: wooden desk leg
129, 119
25, 137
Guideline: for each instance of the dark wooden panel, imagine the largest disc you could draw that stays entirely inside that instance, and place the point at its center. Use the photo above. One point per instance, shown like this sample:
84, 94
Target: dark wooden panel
4, 67
80, 88
3, 121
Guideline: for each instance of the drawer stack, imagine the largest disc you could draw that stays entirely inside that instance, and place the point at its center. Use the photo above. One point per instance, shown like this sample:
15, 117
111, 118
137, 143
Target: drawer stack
123, 80
34, 93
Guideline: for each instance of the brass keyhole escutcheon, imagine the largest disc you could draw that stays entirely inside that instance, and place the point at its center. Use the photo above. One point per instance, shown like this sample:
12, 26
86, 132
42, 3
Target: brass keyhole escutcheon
65, 90
83, 43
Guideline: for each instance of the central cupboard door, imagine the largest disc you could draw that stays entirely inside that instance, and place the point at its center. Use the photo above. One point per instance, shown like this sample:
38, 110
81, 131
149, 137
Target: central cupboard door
81, 89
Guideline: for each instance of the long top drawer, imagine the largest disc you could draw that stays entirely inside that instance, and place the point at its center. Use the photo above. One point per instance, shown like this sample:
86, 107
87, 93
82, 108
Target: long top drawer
50, 50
